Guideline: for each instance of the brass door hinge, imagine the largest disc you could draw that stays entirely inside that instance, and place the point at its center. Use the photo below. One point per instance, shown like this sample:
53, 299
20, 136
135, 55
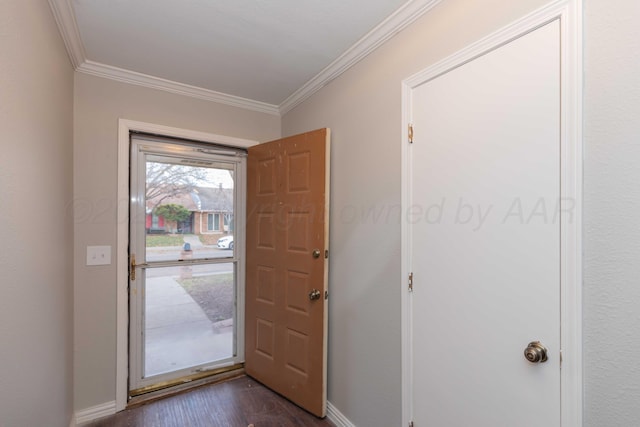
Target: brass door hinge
410, 282
410, 133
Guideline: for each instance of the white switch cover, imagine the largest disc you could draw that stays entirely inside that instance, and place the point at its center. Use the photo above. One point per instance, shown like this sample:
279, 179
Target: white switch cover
98, 255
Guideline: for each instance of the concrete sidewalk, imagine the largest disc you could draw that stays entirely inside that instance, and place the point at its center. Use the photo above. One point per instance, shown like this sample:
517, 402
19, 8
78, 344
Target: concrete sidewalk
178, 334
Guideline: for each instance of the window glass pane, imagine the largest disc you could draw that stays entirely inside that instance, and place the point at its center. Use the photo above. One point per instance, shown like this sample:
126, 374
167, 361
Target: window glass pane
186, 207
189, 316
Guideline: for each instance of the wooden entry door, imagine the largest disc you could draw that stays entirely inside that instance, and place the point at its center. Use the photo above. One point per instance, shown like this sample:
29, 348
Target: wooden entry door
485, 238
287, 260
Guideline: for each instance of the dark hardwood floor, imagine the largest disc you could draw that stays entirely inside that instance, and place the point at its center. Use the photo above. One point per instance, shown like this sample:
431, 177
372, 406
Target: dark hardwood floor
234, 403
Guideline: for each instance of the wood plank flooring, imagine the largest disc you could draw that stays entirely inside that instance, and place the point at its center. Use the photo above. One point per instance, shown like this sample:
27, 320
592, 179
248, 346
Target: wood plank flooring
235, 403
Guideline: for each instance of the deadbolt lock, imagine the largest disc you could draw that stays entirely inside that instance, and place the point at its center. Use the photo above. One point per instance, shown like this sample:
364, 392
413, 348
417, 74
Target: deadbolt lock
535, 352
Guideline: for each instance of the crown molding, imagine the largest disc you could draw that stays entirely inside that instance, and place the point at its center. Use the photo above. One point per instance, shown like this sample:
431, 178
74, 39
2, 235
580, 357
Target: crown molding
388, 28
140, 79
400, 19
66, 20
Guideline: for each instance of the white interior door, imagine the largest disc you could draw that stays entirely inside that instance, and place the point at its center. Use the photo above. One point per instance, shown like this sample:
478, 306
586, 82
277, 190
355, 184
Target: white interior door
484, 229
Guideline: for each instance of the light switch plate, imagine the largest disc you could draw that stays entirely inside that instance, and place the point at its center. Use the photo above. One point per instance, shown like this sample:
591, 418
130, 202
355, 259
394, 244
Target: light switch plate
98, 255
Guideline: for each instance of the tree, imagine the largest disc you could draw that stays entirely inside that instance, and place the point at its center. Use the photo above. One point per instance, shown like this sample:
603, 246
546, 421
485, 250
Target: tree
173, 213
166, 180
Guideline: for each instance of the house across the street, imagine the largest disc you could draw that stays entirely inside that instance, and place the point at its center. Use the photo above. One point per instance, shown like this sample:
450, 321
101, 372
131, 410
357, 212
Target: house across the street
211, 213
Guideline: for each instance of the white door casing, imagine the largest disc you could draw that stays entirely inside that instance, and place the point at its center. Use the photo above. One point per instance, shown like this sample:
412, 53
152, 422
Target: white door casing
125, 128
491, 196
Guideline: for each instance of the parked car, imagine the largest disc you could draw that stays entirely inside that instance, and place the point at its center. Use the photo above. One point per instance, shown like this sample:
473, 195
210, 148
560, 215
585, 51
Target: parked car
225, 242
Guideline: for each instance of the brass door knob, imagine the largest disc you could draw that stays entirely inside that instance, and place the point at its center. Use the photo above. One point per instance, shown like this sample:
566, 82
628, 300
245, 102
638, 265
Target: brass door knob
316, 253
314, 294
535, 352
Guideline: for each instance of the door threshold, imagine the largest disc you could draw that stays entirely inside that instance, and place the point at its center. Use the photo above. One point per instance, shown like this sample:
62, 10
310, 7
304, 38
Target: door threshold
160, 391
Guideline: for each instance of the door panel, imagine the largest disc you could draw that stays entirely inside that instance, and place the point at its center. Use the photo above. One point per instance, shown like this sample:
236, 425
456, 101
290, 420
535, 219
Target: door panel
486, 256
287, 220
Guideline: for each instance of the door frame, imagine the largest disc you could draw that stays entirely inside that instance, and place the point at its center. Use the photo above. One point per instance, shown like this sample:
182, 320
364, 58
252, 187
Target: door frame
569, 13
125, 127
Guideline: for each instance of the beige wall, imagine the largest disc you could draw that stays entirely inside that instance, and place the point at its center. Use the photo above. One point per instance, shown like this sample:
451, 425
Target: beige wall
36, 293
612, 213
363, 109
99, 103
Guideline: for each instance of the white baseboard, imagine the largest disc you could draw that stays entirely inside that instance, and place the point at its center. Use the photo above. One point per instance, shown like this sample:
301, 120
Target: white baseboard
337, 417
93, 413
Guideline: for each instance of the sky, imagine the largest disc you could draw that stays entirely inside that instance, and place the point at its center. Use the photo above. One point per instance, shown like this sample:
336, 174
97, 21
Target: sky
215, 177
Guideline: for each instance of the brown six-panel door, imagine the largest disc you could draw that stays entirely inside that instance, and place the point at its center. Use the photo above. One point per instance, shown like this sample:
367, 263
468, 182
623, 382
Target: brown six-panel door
286, 275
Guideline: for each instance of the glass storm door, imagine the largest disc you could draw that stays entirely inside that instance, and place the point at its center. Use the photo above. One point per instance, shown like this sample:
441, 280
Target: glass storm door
186, 261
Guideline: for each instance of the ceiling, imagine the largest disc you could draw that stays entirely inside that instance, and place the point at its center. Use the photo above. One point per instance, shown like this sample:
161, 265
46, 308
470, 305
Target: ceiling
265, 55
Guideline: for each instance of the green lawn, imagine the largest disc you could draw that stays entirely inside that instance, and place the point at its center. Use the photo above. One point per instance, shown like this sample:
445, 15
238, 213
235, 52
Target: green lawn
214, 293
159, 240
